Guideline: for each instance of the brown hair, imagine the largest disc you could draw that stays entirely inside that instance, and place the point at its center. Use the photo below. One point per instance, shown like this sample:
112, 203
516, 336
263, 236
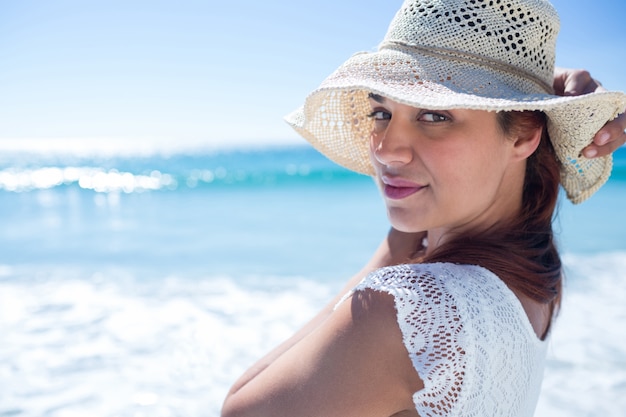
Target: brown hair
521, 252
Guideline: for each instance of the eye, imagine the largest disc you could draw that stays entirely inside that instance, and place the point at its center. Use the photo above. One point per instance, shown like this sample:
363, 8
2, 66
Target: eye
379, 115
429, 116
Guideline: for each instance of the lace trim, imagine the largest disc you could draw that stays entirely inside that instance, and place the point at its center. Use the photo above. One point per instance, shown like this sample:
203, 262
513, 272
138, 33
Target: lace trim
468, 337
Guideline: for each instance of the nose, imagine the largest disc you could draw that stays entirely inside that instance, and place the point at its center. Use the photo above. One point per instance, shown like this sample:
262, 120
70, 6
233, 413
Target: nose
392, 146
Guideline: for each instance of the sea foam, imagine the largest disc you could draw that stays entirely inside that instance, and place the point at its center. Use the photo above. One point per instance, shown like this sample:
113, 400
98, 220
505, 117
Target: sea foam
112, 344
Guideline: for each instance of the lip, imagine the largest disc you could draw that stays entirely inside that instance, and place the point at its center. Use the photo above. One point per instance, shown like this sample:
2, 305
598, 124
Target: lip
399, 188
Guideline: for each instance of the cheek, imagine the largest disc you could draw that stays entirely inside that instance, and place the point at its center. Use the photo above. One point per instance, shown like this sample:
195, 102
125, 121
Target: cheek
464, 171
481, 182
374, 141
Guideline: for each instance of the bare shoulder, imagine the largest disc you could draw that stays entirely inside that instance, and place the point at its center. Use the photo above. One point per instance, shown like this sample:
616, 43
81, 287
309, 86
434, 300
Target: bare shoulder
374, 324
353, 364
376, 311
369, 336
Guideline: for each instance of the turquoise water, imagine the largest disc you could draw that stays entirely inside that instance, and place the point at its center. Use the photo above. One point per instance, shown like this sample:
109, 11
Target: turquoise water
144, 285
164, 209
200, 213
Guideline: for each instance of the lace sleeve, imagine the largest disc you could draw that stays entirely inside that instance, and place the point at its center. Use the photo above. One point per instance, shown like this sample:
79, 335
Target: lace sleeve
465, 334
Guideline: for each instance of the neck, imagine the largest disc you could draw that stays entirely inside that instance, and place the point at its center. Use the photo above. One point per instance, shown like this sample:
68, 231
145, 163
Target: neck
505, 207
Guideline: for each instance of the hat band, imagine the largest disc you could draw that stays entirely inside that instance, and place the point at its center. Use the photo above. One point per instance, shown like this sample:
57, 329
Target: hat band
466, 57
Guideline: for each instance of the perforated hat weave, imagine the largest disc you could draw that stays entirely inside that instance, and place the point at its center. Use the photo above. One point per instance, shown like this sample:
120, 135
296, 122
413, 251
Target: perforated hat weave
494, 55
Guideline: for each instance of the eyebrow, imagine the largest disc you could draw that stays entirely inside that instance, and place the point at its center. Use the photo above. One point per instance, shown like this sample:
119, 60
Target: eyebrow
376, 97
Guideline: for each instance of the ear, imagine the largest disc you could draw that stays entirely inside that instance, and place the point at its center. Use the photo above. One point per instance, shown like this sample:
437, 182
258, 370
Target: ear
526, 142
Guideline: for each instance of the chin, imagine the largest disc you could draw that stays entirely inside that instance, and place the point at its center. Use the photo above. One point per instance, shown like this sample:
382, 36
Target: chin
402, 229
402, 225
404, 221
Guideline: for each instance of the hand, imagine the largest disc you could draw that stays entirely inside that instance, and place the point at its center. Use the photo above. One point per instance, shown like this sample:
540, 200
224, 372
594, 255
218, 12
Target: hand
570, 82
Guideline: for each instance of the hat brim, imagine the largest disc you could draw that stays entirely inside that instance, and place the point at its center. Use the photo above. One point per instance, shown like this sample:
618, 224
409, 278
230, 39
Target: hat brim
334, 117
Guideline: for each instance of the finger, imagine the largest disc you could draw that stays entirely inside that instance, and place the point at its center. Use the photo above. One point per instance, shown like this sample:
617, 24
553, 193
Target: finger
612, 131
579, 82
560, 74
595, 151
608, 139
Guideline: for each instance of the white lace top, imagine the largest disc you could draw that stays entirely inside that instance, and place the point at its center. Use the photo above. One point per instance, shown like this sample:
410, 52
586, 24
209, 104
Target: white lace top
468, 337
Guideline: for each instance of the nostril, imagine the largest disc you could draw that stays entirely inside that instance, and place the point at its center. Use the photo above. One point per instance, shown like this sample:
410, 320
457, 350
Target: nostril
392, 153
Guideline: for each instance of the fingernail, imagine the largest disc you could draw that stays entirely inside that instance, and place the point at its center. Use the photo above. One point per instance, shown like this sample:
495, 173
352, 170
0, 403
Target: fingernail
590, 153
603, 138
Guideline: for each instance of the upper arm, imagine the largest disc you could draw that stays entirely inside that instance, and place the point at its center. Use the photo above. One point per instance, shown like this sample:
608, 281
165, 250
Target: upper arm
354, 363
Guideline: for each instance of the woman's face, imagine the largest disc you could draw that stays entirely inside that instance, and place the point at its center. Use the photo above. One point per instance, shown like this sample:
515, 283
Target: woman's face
443, 171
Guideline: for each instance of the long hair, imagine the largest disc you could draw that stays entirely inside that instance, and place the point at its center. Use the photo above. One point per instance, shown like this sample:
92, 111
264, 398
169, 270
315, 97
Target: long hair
521, 252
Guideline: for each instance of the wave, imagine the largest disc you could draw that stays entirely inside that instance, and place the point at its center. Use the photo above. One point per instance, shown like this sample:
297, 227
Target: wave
274, 166
266, 167
112, 342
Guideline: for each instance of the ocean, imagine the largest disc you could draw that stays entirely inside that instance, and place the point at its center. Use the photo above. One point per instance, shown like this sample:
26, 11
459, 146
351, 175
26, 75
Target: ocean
145, 284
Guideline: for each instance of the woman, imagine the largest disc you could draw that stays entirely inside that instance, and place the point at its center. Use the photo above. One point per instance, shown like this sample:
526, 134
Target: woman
455, 118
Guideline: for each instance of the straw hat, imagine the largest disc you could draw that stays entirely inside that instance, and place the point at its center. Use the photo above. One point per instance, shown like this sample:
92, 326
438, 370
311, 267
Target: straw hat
474, 54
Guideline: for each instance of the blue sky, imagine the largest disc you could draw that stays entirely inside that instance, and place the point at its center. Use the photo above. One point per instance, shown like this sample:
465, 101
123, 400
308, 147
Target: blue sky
211, 72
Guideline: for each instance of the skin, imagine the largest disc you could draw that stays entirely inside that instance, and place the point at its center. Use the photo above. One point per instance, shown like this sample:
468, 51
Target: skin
574, 82
314, 372
320, 374
458, 165
468, 175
